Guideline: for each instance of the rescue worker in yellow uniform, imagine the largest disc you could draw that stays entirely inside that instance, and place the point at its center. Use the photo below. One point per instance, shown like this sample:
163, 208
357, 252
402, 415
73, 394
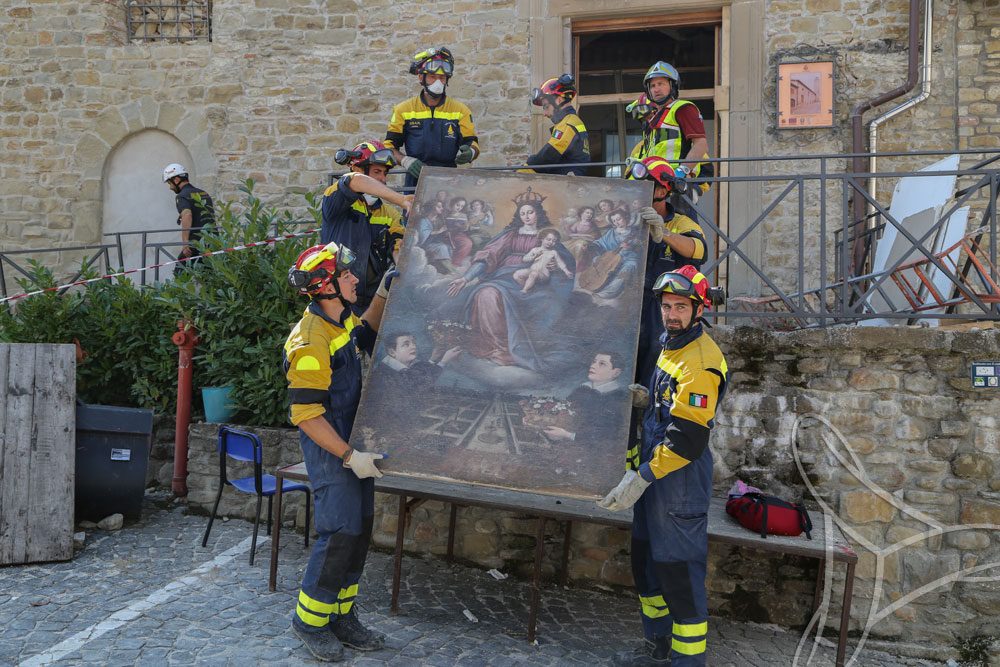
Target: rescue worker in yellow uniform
675, 241
322, 363
355, 214
673, 129
669, 479
569, 144
434, 129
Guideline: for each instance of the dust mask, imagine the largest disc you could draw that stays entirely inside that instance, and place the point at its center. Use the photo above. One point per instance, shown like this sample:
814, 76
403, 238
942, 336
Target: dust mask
436, 88
371, 200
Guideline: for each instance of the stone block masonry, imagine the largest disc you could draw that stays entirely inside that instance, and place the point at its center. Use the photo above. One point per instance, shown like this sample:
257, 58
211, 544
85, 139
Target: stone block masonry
914, 447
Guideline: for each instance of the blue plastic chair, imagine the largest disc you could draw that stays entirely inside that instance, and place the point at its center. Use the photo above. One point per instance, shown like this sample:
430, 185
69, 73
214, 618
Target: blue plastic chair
243, 446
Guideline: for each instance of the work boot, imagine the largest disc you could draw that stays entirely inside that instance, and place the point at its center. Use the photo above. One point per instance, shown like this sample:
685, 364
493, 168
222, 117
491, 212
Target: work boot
349, 630
654, 653
324, 645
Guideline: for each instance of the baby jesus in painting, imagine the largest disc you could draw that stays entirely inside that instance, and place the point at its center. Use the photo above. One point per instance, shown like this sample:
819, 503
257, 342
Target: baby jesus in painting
542, 258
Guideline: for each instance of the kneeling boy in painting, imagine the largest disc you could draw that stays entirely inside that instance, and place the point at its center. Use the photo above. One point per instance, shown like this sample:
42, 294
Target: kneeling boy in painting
400, 375
669, 479
322, 362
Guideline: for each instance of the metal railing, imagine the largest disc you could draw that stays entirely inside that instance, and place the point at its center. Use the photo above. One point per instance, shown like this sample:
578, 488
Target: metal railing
822, 277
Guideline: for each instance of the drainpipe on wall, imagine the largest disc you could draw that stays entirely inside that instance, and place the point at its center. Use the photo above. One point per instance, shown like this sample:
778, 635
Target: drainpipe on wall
857, 129
925, 92
185, 339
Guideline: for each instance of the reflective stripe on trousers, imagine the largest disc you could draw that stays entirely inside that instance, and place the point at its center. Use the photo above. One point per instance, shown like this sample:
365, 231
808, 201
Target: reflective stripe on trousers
669, 553
344, 508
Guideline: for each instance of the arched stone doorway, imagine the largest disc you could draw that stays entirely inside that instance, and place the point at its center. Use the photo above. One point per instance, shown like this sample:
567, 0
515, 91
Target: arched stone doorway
134, 195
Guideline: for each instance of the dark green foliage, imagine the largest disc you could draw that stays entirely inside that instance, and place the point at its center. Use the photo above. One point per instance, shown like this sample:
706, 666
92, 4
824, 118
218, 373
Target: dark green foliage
242, 306
239, 303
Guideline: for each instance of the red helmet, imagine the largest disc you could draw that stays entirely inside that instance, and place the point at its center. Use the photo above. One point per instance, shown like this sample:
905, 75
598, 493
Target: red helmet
366, 154
562, 87
655, 168
686, 281
318, 265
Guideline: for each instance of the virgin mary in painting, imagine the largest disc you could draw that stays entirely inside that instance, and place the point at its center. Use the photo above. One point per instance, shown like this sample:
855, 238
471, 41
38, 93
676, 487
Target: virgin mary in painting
511, 328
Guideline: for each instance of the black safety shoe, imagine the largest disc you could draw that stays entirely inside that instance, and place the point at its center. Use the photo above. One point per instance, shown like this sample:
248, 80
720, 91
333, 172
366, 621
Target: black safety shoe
654, 653
349, 630
324, 645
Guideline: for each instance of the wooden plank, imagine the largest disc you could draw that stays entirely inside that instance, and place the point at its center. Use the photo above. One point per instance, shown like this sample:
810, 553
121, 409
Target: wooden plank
721, 527
4, 355
53, 455
625, 98
20, 394
747, 61
585, 26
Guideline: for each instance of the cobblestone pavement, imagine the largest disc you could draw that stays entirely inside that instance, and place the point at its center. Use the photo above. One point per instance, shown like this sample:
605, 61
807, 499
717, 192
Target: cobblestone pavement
149, 594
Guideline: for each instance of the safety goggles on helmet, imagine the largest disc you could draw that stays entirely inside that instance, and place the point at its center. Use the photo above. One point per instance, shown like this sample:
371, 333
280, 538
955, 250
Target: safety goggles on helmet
680, 285
640, 108
438, 66
675, 283
318, 265
382, 156
690, 283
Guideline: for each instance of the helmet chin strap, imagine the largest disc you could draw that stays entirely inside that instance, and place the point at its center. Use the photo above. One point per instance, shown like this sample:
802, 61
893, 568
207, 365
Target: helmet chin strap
336, 295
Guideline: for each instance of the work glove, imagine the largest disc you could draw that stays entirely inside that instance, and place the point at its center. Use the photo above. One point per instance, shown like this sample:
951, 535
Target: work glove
383, 287
656, 229
362, 464
412, 166
640, 396
694, 193
466, 154
623, 496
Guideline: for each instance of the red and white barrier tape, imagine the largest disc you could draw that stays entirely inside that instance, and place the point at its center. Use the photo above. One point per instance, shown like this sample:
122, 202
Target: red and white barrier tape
255, 244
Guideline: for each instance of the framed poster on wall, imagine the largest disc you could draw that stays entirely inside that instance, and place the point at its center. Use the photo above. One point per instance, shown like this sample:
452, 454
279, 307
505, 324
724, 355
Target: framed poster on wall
805, 95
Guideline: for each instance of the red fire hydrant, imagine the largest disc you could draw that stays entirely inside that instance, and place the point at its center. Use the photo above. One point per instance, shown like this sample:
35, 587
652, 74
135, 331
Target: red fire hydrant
185, 339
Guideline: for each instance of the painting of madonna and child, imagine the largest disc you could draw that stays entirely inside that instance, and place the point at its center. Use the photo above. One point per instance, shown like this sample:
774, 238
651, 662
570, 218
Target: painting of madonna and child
508, 341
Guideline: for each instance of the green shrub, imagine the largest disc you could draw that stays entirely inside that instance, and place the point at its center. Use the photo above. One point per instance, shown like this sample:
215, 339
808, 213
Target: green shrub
242, 307
238, 302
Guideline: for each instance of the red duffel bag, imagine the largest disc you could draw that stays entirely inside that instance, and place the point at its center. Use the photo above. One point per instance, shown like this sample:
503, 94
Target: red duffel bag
769, 515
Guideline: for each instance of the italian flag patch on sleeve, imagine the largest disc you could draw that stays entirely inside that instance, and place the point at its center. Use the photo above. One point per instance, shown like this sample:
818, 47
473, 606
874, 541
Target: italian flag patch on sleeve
557, 134
698, 400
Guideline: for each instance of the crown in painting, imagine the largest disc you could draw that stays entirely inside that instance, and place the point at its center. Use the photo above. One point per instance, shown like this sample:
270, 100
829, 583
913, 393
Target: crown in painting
528, 197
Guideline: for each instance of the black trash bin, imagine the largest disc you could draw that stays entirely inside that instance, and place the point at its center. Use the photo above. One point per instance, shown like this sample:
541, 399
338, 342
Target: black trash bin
112, 452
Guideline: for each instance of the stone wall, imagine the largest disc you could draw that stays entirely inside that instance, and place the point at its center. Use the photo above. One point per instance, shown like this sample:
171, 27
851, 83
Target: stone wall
284, 83
919, 447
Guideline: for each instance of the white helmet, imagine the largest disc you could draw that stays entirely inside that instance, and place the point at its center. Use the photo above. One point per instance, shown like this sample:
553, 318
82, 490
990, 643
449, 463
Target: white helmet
173, 170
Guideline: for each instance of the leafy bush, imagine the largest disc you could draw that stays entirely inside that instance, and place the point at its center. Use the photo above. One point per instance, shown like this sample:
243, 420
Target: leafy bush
239, 303
242, 307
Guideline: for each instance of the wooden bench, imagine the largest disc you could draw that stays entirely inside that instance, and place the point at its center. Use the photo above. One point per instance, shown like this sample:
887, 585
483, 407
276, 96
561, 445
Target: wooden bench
721, 528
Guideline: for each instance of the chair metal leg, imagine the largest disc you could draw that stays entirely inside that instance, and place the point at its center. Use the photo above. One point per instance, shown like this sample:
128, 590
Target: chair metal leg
256, 526
215, 508
270, 499
308, 501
